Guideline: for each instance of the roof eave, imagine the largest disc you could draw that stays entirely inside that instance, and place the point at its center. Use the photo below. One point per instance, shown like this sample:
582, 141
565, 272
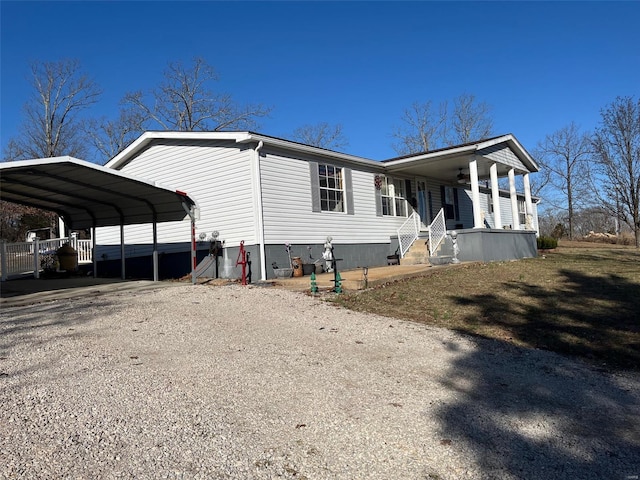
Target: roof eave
300, 147
147, 137
239, 137
517, 147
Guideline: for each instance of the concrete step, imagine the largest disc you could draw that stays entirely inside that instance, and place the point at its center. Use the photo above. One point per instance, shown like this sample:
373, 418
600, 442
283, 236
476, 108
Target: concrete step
418, 254
441, 260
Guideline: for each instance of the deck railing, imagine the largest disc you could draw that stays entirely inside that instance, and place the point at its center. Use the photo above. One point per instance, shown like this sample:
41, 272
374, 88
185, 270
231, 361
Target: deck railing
28, 257
437, 232
408, 233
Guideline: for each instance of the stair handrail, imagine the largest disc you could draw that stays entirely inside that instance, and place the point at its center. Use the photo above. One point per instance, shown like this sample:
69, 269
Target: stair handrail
408, 233
437, 232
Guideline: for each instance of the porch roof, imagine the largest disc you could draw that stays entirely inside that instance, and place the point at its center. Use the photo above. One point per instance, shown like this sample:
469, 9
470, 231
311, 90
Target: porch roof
446, 163
88, 195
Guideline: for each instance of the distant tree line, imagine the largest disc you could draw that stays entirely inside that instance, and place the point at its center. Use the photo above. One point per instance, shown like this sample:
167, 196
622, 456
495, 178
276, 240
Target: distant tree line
589, 181
594, 177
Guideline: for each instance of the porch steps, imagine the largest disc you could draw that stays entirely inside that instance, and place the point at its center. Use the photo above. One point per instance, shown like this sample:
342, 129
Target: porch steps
418, 253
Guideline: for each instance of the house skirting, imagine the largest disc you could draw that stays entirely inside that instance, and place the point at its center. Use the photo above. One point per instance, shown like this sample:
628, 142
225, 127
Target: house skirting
490, 245
176, 264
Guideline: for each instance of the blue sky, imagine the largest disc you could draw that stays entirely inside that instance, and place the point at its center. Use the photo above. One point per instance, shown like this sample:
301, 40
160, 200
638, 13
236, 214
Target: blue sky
539, 65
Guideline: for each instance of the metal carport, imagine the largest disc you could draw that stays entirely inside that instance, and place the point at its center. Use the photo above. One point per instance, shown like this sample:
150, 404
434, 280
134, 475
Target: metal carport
87, 195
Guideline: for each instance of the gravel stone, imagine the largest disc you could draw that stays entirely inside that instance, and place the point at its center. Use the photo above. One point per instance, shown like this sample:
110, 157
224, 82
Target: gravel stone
231, 382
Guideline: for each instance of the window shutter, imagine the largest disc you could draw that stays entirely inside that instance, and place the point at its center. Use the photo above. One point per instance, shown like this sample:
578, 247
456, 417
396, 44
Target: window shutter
455, 203
430, 206
348, 186
315, 186
407, 187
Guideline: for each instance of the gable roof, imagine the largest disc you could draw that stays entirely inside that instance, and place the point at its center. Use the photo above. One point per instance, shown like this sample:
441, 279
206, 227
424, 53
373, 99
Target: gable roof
148, 138
508, 140
455, 157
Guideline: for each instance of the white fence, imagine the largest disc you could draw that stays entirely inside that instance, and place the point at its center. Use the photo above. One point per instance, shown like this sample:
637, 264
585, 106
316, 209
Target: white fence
437, 232
31, 257
408, 233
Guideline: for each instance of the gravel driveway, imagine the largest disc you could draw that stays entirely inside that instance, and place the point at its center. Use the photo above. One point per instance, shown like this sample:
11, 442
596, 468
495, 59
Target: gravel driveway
259, 383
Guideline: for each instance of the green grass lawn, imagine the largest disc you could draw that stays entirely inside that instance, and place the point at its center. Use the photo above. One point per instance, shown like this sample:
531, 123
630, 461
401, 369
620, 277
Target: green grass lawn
581, 299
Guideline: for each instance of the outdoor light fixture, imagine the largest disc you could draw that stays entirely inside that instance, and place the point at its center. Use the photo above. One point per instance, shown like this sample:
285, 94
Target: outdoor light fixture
461, 177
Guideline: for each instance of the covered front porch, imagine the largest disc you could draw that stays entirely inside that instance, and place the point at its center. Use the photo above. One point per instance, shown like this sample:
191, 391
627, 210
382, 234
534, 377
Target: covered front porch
466, 166
458, 188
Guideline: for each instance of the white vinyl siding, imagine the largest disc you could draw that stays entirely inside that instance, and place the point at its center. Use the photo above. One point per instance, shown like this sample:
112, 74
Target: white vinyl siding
288, 206
504, 155
217, 175
505, 209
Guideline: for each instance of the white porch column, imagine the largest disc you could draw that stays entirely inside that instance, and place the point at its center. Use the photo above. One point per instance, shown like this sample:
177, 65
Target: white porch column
528, 202
515, 223
475, 194
495, 196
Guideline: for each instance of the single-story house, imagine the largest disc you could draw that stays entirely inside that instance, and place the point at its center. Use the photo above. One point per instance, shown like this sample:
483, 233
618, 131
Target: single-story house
268, 192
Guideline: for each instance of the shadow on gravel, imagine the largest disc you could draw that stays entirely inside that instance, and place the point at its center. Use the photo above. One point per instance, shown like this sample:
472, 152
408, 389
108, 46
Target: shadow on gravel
524, 415
20, 326
530, 414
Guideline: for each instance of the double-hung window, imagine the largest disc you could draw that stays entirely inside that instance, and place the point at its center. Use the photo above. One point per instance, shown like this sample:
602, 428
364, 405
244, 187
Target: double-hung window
393, 197
331, 188
522, 212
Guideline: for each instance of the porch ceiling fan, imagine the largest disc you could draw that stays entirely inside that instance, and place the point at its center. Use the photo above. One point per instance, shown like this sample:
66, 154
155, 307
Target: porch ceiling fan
462, 178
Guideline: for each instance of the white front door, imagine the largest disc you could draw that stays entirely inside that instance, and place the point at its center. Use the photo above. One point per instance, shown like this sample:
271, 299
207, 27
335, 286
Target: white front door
423, 207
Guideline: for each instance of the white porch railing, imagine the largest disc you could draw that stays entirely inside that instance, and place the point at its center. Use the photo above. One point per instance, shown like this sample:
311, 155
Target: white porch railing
437, 232
408, 233
25, 257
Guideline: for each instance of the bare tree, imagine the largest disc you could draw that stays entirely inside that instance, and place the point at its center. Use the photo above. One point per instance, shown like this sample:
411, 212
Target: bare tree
321, 135
425, 129
16, 220
470, 120
565, 155
422, 129
617, 159
52, 125
551, 223
184, 102
110, 137
593, 219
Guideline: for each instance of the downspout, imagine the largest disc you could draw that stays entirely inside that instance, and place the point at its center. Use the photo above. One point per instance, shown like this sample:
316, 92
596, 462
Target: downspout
260, 224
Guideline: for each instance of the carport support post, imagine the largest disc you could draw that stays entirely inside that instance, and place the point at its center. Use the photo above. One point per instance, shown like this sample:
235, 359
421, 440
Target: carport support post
193, 248
3, 260
155, 251
122, 262
36, 258
93, 252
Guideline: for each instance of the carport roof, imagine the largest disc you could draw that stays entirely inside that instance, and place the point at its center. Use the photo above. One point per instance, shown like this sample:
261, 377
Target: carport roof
88, 195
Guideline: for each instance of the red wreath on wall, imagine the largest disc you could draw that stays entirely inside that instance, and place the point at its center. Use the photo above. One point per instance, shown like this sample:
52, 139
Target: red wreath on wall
377, 180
